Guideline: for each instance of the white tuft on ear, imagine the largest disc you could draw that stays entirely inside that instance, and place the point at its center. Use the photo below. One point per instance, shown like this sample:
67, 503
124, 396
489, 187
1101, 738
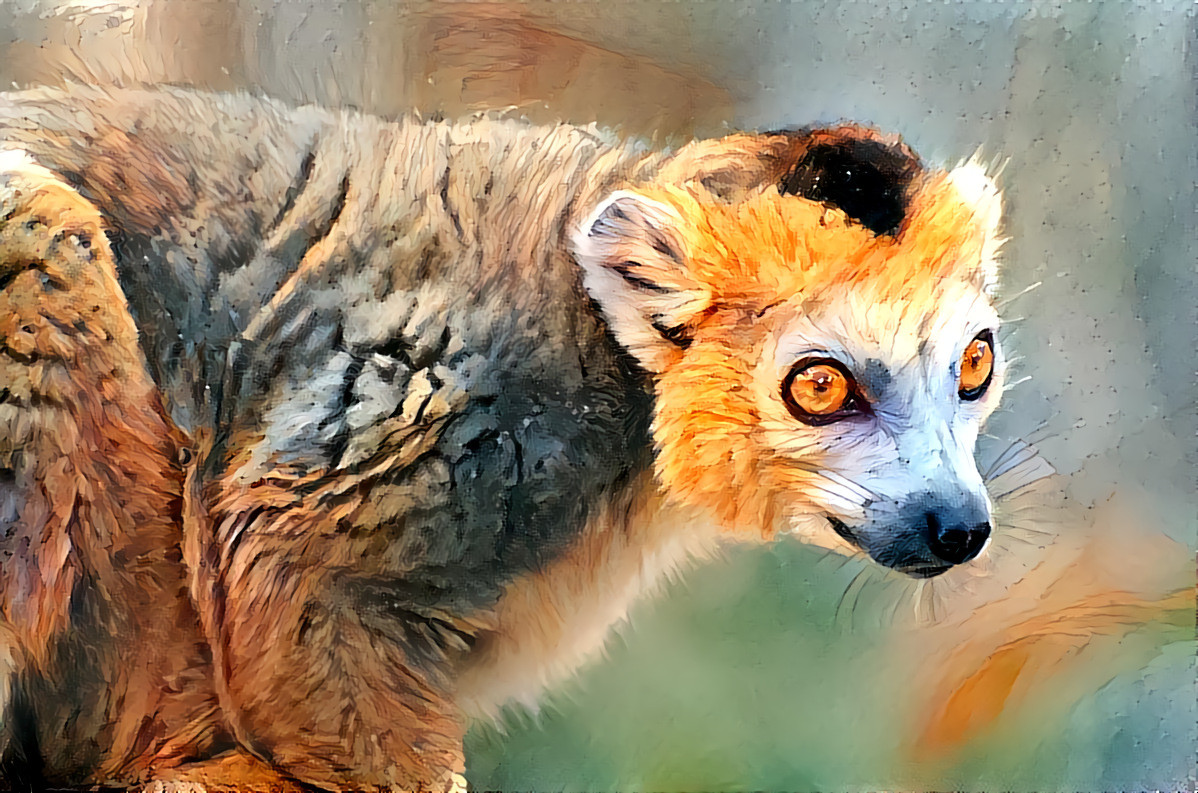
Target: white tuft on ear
978, 192
634, 265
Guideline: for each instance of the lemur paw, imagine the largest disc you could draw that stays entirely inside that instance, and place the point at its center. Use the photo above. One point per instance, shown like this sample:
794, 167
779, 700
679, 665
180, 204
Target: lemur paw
232, 772
58, 285
175, 786
47, 229
65, 329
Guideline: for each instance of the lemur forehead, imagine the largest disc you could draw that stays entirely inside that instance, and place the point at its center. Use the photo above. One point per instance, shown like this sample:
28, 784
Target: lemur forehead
771, 244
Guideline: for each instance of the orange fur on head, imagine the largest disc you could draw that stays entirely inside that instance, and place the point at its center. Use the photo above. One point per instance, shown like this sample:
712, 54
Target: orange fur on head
749, 257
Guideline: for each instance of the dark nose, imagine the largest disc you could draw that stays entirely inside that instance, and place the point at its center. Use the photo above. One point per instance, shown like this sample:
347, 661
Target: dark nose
955, 542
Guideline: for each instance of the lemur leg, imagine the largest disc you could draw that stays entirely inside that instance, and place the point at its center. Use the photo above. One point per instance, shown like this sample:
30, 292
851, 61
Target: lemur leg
90, 492
93, 589
93, 490
10, 665
317, 668
53, 305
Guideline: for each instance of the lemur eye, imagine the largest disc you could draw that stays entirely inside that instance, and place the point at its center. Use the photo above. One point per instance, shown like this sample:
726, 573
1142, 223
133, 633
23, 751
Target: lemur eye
977, 367
819, 391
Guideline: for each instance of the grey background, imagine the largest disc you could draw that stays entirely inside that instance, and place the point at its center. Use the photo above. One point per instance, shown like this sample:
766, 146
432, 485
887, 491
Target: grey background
744, 675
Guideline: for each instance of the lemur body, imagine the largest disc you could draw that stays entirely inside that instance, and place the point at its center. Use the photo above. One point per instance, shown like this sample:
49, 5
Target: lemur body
399, 417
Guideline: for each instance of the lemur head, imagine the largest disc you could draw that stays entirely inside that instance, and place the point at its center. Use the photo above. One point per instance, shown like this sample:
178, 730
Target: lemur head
823, 348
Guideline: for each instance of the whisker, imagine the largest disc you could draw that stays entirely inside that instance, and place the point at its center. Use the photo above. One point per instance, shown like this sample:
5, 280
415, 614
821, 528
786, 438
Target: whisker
1029, 465
843, 557
857, 599
840, 479
1013, 530
1016, 452
1038, 434
1030, 288
854, 588
815, 487
1000, 459
1011, 386
1042, 432
834, 478
834, 486
1034, 473
1028, 541
828, 553
898, 601
824, 556
1018, 456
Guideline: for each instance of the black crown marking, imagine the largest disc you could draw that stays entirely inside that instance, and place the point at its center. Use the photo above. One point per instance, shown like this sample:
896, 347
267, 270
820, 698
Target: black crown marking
867, 179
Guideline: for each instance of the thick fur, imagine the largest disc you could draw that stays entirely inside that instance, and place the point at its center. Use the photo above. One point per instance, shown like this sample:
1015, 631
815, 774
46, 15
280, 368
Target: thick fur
317, 436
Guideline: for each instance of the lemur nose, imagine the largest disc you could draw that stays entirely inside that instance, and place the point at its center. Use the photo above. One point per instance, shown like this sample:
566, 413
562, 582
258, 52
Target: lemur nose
956, 542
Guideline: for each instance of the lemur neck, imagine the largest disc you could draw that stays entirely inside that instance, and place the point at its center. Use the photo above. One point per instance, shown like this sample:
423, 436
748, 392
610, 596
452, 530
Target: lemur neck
550, 622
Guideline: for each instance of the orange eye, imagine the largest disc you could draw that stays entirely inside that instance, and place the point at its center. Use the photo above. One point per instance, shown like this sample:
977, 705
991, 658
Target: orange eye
819, 392
977, 366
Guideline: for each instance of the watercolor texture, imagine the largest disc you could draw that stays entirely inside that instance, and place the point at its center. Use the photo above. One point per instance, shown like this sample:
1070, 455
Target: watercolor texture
626, 396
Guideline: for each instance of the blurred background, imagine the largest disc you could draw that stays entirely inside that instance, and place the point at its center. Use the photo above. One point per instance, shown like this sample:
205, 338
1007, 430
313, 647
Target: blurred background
1066, 659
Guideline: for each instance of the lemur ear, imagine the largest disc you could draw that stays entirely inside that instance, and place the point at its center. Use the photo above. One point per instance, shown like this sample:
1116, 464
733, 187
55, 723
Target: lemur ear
979, 193
635, 266
959, 213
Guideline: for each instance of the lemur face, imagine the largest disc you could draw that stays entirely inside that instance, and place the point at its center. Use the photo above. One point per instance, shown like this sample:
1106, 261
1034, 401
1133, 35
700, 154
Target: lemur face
817, 372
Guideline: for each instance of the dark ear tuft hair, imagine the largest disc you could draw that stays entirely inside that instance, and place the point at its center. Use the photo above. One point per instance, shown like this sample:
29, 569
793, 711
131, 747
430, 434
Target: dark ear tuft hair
857, 171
